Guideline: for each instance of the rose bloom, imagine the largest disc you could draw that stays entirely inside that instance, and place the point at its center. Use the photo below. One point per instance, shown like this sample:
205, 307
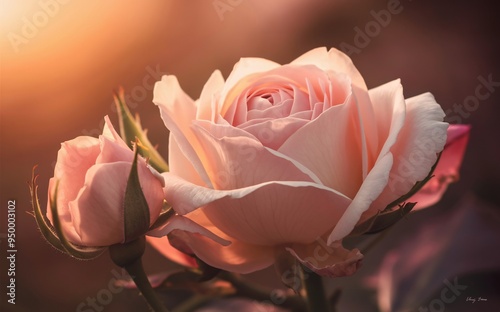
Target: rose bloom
290, 158
92, 175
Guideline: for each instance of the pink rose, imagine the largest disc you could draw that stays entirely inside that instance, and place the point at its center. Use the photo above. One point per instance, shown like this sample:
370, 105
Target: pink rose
292, 158
92, 175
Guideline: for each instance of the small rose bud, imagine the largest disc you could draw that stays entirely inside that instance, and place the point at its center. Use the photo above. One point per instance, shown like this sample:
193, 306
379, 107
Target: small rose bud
92, 178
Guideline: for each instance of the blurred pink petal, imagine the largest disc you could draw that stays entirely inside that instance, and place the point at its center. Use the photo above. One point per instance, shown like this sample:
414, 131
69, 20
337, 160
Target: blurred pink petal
458, 241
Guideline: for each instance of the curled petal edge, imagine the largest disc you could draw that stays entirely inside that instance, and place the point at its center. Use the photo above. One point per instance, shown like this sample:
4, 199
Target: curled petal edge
339, 261
187, 225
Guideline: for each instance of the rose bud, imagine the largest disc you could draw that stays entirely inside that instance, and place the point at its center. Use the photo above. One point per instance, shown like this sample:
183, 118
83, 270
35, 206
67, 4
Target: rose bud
91, 176
291, 158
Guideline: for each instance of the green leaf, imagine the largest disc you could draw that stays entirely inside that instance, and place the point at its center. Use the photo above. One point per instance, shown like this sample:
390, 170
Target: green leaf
136, 210
43, 224
131, 128
79, 252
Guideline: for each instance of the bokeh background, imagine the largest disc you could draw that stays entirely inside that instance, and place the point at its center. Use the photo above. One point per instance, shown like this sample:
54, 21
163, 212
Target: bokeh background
62, 60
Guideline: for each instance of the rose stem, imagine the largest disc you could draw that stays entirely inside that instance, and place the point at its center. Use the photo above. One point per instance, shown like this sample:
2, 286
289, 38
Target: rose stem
315, 291
250, 290
129, 257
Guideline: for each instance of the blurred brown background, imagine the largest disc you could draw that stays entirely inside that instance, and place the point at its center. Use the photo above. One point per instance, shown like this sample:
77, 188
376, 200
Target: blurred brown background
61, 61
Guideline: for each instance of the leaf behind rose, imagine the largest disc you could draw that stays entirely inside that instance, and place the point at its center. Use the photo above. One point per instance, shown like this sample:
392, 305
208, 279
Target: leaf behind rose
131, 129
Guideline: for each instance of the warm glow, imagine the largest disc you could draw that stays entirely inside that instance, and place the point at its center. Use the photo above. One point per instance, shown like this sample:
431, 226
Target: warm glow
60, 40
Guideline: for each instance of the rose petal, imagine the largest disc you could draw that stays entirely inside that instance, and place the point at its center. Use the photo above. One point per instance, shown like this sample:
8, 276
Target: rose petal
371, 188
113, 148
242, 69
186, 225
330, 146
178, 112
238, 161
206, 105
64, 213
447, 169
73, 160
331, 261
113, 152
100, 204
237, 257
97, 212
273, 133
389, 109
180, 165
420, 140
304, 210
110, 133
334, 60
277, 212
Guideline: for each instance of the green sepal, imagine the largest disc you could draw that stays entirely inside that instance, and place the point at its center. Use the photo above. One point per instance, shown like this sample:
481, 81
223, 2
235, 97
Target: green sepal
47, 231
135, 206
53, 234
79, 252
130, 129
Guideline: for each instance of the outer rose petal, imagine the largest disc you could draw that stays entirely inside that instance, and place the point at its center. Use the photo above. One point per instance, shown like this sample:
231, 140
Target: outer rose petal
276, 213
370, 189
327, 260
207, 106
97, 212
99, 205
447, 169
180, 165
73, 160
186, 224
237, 257
178, 111
334, 60
63, 212
304, 210
422, 137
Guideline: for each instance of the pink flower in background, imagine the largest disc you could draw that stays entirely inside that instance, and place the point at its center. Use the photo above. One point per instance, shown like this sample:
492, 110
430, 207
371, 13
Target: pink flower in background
292, 157
92, 175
